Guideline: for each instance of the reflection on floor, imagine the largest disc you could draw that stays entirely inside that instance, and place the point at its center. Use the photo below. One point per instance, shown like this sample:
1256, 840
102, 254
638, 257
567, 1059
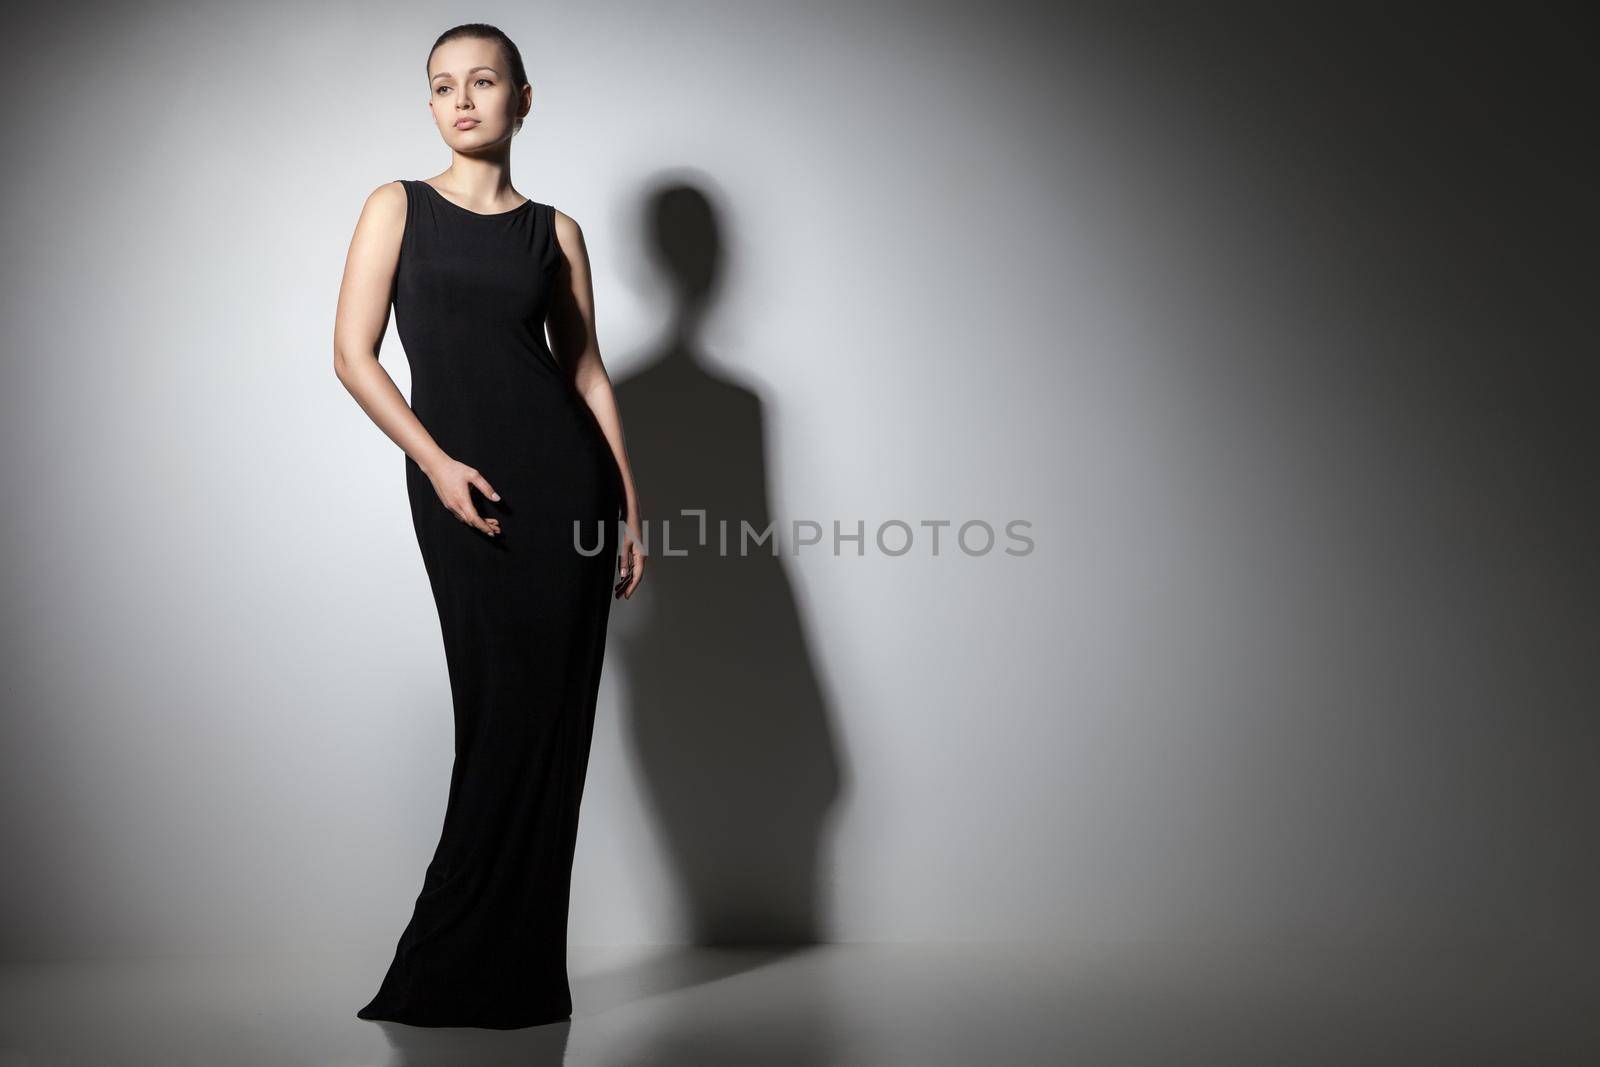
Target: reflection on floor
864, 1005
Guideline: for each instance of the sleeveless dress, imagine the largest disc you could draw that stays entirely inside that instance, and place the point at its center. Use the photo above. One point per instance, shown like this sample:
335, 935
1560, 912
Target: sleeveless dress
523, 615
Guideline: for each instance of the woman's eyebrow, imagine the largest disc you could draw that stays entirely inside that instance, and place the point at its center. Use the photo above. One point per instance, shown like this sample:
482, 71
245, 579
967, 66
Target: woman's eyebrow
446, 73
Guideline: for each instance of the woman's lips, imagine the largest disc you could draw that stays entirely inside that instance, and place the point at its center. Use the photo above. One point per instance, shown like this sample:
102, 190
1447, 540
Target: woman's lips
466, 124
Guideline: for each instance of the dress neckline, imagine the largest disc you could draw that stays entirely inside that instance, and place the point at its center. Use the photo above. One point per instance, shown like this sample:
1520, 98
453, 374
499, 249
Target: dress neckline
469, 211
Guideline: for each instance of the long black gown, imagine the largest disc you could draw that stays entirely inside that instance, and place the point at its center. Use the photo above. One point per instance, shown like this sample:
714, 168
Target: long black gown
523, 614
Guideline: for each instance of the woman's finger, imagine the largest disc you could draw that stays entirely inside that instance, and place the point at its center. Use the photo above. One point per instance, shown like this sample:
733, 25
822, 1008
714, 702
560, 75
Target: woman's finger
484, 487
470, 516
636, 571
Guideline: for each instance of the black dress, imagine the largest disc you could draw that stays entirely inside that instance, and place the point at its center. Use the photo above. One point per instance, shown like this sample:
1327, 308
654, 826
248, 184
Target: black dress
523, 614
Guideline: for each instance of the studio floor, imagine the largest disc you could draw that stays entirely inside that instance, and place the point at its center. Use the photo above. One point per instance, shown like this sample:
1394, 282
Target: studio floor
874, 1005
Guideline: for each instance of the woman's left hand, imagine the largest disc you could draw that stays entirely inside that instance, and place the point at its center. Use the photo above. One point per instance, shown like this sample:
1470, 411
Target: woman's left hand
630, 563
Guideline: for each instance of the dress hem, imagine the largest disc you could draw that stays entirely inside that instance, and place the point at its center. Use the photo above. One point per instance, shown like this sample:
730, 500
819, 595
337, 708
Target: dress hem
437, 1023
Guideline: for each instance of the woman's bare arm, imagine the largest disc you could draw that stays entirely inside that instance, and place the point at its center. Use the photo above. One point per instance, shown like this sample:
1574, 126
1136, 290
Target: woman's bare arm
359, 325
576, 346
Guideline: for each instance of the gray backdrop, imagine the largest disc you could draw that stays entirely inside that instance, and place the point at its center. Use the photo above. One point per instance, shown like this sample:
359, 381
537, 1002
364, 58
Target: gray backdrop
1274, 323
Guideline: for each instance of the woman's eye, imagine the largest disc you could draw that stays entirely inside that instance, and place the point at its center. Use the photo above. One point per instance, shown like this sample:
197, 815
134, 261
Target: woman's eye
441, 88
484, 81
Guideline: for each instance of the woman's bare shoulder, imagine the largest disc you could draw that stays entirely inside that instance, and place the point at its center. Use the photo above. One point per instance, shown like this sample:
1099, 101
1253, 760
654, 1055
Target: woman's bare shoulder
387, 198
568, 233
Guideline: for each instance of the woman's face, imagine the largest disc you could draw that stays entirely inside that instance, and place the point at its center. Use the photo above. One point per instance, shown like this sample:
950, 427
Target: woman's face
470, 94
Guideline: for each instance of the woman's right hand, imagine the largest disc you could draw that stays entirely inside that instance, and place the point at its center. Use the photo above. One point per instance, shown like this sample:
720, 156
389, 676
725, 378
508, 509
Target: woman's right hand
453, 481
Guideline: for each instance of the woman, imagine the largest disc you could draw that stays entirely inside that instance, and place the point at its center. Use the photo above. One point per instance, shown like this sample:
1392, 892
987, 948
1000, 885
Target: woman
476, 272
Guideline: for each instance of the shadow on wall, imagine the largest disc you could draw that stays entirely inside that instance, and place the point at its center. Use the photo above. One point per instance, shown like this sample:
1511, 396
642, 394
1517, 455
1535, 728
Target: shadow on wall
737, 755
